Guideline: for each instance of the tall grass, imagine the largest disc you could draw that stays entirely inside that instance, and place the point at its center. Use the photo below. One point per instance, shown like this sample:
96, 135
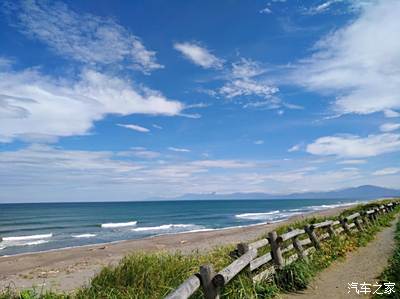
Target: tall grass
153, 275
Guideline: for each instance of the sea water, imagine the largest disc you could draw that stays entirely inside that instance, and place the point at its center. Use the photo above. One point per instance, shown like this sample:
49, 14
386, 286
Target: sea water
34, 227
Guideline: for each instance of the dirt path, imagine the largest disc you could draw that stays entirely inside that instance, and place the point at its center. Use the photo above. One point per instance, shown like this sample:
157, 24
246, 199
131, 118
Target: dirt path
363, 265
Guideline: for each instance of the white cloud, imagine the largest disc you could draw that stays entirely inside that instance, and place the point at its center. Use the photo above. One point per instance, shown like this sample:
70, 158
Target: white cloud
388, 127
391, 113
49, 173
35, 106
387, 171
199, 55
259, 142
190, 115
242, 81
352, 162
246, 68
157, 126
134, 127
266, 10
247, 87
323, 7
178, 149
222, 164
355, 146
359, 64
139, 152
5, 63
83, 37
294, 148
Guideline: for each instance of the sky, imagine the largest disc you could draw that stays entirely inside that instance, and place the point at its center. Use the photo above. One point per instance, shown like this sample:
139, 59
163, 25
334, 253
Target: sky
135, 100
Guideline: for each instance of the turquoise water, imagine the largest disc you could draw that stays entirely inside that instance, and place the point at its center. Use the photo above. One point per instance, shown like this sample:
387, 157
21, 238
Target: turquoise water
43, 226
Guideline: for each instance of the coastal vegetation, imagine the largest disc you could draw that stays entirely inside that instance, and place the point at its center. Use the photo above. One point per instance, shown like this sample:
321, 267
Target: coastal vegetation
154, 275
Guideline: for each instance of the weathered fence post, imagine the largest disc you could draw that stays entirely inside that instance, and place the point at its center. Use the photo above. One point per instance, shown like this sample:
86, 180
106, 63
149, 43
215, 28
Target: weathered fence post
242, 248
365, 218
297, 245
375, 215
313, 237
371, 218
358, 224
275, 249
331, 231
209, 289
345, 226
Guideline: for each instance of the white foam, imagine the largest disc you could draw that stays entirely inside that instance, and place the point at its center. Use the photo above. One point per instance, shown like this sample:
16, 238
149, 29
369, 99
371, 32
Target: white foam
120, 224
35, 242
84, 236
168, 227
258, 216
23, 238
13, 242
285, 214
332, 206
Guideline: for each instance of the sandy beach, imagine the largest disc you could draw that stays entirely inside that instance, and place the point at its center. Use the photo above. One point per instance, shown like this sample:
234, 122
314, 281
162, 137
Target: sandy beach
70, 268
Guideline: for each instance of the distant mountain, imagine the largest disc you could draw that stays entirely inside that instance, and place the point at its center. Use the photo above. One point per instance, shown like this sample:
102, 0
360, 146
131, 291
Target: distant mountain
361, 192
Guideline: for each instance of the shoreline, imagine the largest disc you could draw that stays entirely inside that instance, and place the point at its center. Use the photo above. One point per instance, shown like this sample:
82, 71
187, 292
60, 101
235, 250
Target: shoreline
66, 269
149, 237
316, 211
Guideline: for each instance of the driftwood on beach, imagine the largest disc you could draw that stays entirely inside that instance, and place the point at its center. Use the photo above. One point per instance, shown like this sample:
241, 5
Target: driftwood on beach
282, 250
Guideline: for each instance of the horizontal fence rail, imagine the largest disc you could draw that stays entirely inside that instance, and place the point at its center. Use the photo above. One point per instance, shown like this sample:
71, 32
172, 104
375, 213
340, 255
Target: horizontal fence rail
279, 251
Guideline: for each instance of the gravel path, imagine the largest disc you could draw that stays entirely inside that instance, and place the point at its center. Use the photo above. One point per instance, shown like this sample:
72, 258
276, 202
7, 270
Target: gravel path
363, 265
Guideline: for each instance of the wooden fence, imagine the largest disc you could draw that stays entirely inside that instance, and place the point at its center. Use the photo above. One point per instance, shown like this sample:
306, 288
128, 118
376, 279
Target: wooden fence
282, 250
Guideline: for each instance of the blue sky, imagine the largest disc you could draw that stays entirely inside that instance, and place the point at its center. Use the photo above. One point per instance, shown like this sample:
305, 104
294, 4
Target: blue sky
130, 100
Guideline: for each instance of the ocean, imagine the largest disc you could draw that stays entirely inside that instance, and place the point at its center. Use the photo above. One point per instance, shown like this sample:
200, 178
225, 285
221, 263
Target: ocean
34, 227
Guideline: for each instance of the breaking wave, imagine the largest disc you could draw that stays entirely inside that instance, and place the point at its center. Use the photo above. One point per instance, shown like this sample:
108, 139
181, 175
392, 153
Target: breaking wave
168, 228
118, 224
259, 216
23, 238
84, 236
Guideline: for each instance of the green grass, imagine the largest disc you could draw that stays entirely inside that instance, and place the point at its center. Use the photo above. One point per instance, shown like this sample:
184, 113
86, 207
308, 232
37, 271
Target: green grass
154, 275
392, 272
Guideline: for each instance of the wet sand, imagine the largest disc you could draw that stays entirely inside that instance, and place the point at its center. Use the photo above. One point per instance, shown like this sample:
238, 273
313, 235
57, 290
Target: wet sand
70, 268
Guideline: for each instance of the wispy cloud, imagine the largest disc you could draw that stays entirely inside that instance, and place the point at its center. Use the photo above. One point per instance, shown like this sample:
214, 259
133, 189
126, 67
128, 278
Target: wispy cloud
259, 142
139, 152
179, 149
359, 62
41, 172
5, 63
199, 55
266, 10
243, 82
83, 37
388, 127
134, 127
322, 7
37, 107
391, 113
387, 171
294, 148
355, 146
352, 162
222, 164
